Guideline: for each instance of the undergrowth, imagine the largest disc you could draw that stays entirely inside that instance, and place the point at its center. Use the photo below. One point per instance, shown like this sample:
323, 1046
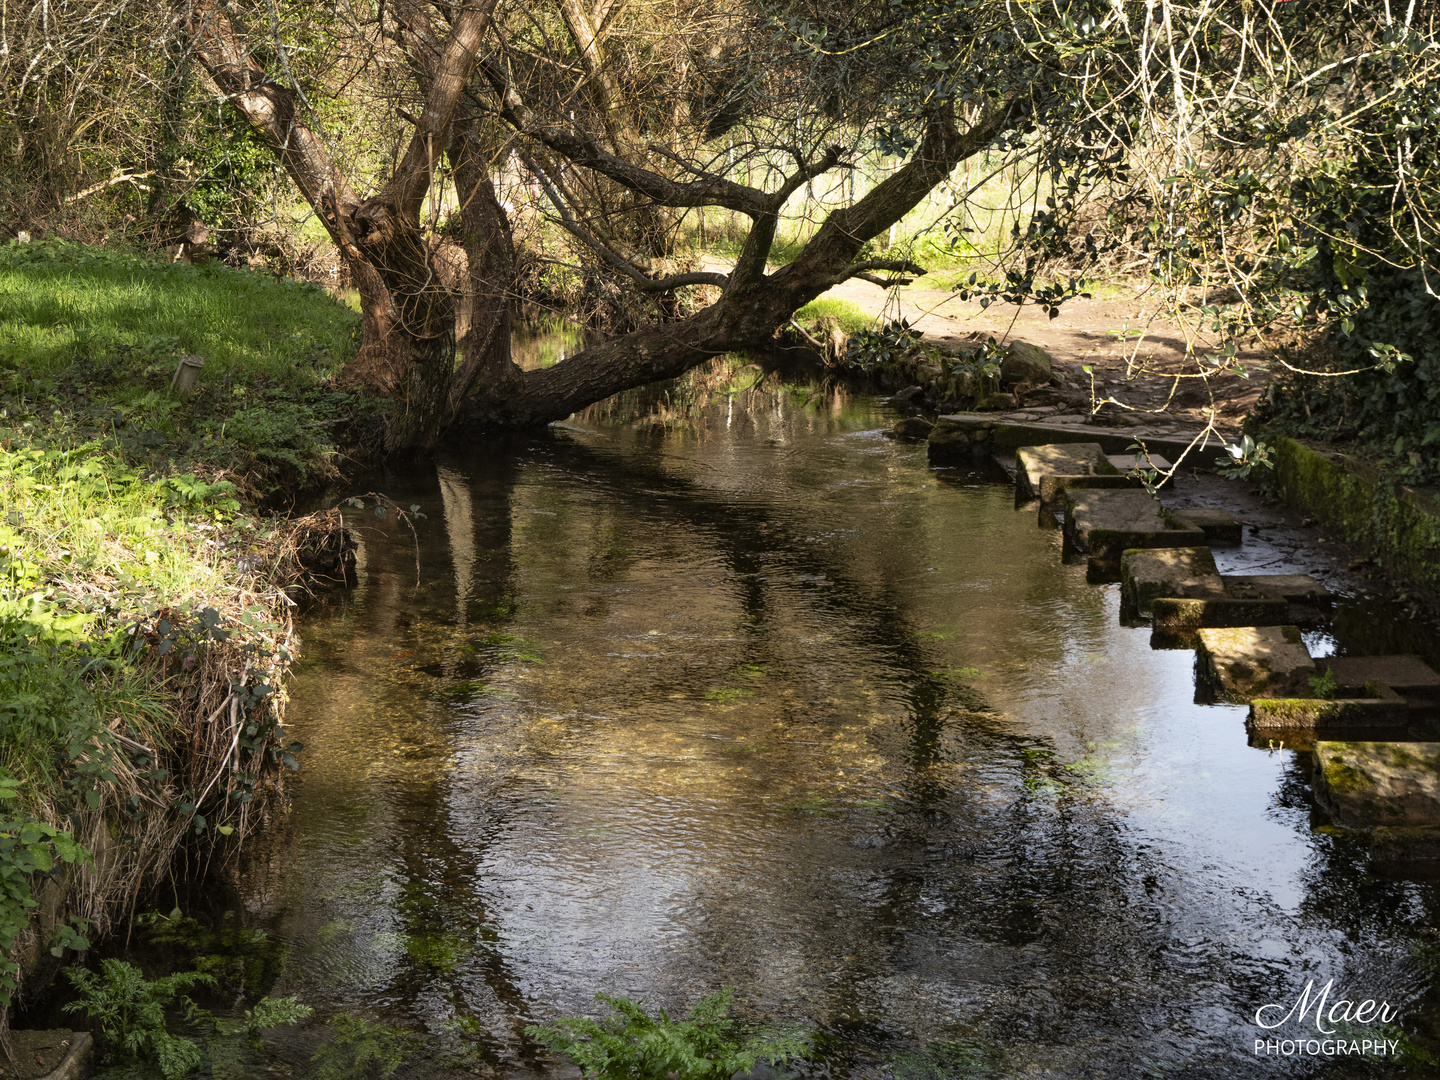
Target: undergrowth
144, 626
630, 1044
90, 339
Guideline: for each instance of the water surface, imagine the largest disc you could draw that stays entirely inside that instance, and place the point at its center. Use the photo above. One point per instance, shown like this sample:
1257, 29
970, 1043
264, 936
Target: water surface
759, 699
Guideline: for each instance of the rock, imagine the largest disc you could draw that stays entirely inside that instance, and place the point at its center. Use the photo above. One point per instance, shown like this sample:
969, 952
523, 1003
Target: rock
1219, 526
1308, 599
1296, 588
999, 402
1236, 664
909, 398
1174, 615
1125, 462
1148, 574
961, 437
1367, 784
1025, 363
1407, 675
1042, 471
912, 427
1106, 523
1331, 716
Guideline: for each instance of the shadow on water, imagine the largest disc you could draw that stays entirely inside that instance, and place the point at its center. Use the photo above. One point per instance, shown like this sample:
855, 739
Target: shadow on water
725, 688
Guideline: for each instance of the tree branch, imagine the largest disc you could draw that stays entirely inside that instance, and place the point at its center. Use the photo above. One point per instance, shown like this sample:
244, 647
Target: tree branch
643, 281
447, 77
862, 270
584, 151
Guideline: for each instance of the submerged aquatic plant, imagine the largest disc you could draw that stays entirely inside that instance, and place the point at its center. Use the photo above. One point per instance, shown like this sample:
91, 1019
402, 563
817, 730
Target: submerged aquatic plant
633, 1045
130, 1010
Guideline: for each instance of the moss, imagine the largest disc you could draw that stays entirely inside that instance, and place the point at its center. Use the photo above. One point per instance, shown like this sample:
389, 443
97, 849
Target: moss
1343, 779
1400, 526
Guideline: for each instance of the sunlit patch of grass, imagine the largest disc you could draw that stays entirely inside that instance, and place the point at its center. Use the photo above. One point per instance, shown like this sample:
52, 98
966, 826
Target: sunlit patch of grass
90, 339
842, 313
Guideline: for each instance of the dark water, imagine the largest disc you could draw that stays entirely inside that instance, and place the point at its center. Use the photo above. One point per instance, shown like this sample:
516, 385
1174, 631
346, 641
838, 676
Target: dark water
762, 700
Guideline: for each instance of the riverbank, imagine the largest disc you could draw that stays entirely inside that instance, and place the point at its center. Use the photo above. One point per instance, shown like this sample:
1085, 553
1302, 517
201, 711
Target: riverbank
144, 600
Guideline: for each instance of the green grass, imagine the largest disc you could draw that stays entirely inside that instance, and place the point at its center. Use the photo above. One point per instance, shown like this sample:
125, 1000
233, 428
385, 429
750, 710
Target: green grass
134, 586
61, 301
90, 338
849, 317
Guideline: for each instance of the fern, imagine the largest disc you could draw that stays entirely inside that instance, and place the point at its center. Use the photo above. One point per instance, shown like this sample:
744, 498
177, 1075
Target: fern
633, 1045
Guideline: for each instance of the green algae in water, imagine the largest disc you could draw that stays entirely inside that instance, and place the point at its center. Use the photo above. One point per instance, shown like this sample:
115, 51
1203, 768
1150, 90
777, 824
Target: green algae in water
946, 1061
728, 695
438, 952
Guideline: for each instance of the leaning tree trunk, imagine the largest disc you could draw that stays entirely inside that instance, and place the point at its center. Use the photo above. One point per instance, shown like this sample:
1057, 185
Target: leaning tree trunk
408, 312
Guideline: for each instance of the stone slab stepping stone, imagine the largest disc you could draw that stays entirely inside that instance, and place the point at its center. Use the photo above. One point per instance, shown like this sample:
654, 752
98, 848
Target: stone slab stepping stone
1219, 526
1146, 574
1238, 664
1044, 472
1407, 675
1364, 785
1174, 615
1295, 588
57, 1054
1381, 710
958, 435
1104, 524
1125, 462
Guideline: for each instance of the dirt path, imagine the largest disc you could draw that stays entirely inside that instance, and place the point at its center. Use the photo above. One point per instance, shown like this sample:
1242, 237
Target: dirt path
1082, 335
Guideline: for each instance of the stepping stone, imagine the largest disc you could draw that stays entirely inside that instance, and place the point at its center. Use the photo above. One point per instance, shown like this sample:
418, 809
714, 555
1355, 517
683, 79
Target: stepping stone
1044, 472
1382, 711
1125, 462
1187, 572
1176, 615
1368, 784
1219, 526
911, 427
1293, 588
1407, 675
1236, 664
1103, 524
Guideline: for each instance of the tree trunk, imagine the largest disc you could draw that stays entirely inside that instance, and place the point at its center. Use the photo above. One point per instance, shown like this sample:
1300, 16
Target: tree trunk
753, 305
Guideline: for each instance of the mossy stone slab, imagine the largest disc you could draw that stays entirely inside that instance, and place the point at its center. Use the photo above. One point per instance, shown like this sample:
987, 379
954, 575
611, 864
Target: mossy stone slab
1177, 614
1368, 784
1293, 588
1148, 573
1407, 675
1103, 524
1035, 464
1239, 663
1220, 527
1329, 715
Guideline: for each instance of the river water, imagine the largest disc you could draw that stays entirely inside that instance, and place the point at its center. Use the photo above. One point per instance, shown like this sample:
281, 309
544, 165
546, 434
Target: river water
747, 695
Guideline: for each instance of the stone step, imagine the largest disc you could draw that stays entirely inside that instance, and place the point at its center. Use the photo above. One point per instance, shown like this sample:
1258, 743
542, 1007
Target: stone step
1365, 785
957, 435
1301, 589
1134, 460
1238, 664
1147, 574
1104, 524
1173, 615
1044, 472
1409, 676
1220, 527
1382, 711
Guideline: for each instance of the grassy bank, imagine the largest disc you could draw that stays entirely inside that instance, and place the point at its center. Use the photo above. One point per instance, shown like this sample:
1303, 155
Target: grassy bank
144, 627
90, 338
